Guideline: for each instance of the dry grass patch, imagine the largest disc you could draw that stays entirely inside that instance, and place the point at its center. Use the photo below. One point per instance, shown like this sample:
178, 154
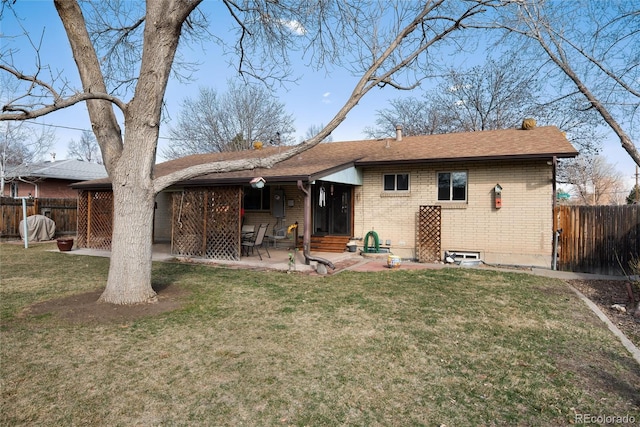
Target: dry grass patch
458, 347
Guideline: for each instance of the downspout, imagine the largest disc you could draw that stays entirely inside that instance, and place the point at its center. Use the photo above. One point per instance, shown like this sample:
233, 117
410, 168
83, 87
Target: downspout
554, 168
306, 236
24, 222
36, 189
556, 232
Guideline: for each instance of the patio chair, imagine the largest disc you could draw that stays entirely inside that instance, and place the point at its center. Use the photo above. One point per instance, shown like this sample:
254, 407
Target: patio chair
257, 242
248, 232
278, 234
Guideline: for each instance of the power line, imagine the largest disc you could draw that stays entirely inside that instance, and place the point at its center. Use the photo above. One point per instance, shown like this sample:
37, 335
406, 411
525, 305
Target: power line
80, 129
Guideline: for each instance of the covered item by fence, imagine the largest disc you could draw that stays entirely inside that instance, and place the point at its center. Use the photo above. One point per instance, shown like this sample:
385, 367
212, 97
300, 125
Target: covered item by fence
39, 228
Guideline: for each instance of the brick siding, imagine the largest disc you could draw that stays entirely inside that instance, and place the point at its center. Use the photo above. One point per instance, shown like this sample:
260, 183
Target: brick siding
518, 233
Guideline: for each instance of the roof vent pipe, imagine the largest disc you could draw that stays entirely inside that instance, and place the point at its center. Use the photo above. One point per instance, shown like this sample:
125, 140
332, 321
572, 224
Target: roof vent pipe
398, 132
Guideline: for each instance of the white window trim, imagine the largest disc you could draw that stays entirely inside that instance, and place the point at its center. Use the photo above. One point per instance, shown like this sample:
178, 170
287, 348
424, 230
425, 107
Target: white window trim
450, 199
395, 182
13, 189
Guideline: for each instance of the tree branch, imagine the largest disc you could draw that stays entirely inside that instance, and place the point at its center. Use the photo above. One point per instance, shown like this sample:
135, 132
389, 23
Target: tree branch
536, 25
103, 120
25, 114
364, 85
598, 64
33, 80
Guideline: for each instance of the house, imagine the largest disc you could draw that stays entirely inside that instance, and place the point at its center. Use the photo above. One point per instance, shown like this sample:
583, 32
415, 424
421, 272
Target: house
487, 195
50, 179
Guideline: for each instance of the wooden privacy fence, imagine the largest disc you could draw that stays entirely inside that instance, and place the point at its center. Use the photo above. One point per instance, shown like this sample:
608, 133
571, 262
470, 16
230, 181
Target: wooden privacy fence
598, 239
64, 212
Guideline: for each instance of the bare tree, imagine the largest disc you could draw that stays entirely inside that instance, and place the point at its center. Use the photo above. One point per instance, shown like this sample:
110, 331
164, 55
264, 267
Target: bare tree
313, 130
213, 122
595, 53
634, 196
495, 95
595, 181
86, 148
352, 32
20, 142
416, 116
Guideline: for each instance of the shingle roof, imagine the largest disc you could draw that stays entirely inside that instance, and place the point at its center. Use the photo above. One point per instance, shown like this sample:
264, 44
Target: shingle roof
325, 158
545, 141
70, 169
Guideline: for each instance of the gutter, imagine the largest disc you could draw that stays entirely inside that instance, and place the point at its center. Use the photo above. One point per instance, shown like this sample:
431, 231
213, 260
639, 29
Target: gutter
464, 159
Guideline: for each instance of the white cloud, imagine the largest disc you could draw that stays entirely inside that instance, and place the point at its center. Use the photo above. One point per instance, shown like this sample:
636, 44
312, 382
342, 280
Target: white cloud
325, 98
295, 26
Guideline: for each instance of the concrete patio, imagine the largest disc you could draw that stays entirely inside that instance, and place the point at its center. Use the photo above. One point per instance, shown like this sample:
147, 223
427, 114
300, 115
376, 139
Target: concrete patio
353, 261
279, 260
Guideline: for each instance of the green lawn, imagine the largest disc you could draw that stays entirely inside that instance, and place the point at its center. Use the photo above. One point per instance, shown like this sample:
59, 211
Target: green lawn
460, 347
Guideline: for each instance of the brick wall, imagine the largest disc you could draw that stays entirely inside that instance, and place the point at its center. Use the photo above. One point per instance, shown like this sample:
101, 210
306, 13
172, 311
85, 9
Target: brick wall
50, 188
519, 233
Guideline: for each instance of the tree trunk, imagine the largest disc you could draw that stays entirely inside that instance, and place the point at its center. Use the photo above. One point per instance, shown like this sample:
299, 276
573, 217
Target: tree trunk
129, 280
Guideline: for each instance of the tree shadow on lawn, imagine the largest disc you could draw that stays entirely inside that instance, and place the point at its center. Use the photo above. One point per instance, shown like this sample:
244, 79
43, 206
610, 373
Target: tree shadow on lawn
84, 308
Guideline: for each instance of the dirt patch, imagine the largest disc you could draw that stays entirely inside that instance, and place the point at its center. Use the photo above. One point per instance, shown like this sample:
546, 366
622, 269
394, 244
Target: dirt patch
606, 293
84, 308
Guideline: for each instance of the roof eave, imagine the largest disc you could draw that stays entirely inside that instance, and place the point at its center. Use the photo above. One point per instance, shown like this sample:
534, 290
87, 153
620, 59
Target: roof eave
238, 181
89, 185
466, 159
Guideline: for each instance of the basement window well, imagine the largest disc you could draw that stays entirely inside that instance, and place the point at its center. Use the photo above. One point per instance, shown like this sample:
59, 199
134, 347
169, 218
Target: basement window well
466, 255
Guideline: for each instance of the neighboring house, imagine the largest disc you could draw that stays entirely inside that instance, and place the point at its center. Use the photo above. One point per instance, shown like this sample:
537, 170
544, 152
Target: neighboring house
50, 179
487, 195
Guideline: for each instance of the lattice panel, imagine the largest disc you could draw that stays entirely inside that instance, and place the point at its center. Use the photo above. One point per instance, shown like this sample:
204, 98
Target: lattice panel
223, 223
206, 223
81, 234
100, 219
188, 223
95, 219
429, 233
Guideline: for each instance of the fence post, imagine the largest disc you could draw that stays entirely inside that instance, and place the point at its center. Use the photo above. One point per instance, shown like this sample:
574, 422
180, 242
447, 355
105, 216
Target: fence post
556, 236
24, 222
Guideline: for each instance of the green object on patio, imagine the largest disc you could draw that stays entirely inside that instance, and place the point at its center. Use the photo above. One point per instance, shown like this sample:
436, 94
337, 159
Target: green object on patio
376, 243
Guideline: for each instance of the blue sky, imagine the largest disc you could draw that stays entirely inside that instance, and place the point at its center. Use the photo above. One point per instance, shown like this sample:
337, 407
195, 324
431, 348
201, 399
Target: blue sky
313, 100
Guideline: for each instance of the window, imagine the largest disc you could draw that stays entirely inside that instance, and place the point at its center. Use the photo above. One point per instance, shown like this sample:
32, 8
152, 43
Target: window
257, 199
13, 189
452, 186
396, 182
